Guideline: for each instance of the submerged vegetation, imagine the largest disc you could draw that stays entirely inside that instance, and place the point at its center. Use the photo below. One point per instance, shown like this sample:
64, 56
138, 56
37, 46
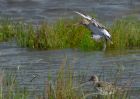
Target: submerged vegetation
69, 34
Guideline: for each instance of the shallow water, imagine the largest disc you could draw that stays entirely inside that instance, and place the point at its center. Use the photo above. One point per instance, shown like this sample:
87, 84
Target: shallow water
40, 63
50, 10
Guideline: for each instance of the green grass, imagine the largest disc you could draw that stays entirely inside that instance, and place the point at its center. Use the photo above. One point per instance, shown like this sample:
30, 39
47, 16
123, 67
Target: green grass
62, 88
70, 34
67, 86
6, 29
125, 33
9, 88
62, 34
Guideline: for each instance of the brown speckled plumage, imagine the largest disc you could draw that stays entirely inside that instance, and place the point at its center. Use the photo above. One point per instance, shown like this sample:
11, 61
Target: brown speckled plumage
104, 87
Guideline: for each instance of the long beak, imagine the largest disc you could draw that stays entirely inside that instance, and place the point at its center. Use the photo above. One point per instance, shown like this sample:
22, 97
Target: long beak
84, 82
84, 16
90, 79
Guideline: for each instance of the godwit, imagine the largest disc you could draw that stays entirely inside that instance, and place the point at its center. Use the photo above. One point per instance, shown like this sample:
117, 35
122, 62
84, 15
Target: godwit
104, 88
98, 30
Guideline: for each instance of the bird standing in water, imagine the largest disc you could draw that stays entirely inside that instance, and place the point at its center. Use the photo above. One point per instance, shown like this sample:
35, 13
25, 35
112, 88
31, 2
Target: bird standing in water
98, 30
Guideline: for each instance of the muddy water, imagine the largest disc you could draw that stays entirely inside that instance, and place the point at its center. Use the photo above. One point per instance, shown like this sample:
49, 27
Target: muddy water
28, 63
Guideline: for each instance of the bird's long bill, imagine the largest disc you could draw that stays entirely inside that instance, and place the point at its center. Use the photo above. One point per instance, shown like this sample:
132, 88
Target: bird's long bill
91, 79
84, 16
84, 82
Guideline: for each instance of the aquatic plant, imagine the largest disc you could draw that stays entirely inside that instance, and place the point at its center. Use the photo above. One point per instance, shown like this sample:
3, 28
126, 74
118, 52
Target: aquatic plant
6, 29
66, 85
9, 88
70, 34
63, 34
125, 33
63, 87
25, 35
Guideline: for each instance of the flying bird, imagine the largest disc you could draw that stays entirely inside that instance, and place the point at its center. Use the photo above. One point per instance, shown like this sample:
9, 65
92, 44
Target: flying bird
99, 31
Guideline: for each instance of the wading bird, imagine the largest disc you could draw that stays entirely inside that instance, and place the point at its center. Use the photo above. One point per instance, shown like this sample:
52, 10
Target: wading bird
104, 88
98, 30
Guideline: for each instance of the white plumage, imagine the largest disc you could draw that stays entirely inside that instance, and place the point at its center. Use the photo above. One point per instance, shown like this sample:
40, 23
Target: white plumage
98, 30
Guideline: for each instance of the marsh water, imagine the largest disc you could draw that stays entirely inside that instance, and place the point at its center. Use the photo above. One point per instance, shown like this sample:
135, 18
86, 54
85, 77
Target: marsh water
29, 63
50, 10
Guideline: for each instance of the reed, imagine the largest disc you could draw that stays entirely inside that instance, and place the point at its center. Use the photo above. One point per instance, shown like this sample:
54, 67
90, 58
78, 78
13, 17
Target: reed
6, 29
70, 34
10, 88
125, 33
67, 86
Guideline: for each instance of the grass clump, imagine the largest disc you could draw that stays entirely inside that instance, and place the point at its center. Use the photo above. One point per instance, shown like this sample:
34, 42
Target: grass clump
25, 35
62, 34
9, 88
63, 87
125, 33
6, 29
66, 86
69, 34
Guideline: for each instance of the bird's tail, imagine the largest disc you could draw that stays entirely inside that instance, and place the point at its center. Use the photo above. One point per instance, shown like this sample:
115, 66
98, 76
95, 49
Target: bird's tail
111, 42
109, 39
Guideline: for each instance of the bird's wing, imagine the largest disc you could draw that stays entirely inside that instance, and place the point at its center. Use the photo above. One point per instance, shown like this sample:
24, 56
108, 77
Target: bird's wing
106, 33
97, 24
101, 84
108, 87
91, 19
84, 16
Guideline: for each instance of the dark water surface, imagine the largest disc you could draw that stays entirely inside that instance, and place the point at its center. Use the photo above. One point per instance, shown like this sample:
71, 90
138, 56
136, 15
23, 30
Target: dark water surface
36, 10
33, 62
42, 63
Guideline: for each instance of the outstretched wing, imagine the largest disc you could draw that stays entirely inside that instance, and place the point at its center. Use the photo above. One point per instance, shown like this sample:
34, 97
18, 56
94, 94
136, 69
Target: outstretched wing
97, 24
84, 16
92, 20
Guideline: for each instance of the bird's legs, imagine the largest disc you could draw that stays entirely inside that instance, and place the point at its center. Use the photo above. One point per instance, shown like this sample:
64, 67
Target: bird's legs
104, 45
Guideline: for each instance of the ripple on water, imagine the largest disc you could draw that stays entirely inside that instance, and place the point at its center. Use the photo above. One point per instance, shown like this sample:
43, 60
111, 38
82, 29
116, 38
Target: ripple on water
40, 63
51, 10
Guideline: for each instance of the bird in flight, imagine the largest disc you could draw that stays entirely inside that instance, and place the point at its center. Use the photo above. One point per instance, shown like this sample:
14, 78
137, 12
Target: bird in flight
98, 30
